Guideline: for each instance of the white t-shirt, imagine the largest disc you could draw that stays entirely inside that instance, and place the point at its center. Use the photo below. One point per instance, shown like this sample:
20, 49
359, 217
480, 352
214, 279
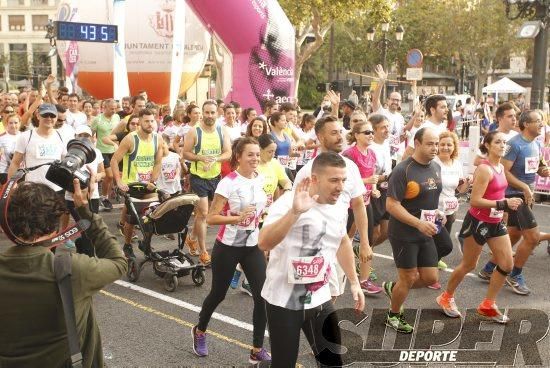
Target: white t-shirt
39, 150
241, 192
450, 177
317, 235
170, 131
383, 157
67, 132
92, 168
183, 130
397, 123
353, 186
7, 144
438, 128
170, 174
234, 132
75, 119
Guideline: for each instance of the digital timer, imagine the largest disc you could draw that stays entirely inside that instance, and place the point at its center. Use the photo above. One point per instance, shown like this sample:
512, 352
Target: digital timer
87, 32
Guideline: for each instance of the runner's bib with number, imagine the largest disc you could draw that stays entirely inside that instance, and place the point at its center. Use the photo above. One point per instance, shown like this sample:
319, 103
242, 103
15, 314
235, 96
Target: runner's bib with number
531, 165
307, 270
283, 160
450, 204
428, 215
496, 213
48, 151
249, 223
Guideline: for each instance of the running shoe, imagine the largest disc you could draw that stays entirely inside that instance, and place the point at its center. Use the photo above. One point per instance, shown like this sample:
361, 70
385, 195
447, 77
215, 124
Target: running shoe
441, 265
106, 203
398, 323
245, 288
372, 275
448, 306
517, 283
199, 342
193, 245
128, 250
460, 241
204, 258
258, 357
370, 287
435, 286
484, 275
492, 313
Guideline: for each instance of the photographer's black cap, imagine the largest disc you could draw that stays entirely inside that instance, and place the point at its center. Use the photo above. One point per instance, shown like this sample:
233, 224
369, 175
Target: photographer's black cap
47, 108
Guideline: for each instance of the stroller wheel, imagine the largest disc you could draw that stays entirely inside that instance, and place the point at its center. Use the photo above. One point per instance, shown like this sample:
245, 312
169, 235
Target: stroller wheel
133, 270
170, 282
197, 275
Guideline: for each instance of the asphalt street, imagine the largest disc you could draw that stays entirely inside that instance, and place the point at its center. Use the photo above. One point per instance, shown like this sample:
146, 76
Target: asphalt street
143, 325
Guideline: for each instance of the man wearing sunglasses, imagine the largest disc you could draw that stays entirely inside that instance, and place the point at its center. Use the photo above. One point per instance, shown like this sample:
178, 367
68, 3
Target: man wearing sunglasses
67, 132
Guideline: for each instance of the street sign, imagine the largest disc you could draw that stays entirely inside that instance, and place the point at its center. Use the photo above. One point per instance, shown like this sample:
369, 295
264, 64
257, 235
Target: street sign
414, 58
88, 32
414, 74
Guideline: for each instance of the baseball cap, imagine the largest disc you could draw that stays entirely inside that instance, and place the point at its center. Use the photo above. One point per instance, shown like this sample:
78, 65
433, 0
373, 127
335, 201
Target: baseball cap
83, 129
350, 104
47, 108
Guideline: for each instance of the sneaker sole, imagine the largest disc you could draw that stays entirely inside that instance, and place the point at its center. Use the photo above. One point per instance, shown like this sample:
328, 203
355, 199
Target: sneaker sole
194, 350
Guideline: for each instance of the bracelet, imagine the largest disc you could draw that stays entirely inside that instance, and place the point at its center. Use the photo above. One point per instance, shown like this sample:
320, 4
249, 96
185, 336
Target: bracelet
502, 205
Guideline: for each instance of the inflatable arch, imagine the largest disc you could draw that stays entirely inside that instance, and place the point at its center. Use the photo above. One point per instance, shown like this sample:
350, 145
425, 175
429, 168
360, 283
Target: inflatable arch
256, 33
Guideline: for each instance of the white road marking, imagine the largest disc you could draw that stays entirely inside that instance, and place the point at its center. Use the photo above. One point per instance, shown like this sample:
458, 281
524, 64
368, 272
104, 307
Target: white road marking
189, 306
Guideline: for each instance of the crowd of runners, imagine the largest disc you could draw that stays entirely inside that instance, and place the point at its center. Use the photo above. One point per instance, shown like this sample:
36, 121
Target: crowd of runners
300, 199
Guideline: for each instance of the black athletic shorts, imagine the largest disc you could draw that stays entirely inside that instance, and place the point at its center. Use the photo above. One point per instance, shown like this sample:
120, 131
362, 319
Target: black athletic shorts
523, 218
204, 187
421, 252
378, 205
481, 231
107, 159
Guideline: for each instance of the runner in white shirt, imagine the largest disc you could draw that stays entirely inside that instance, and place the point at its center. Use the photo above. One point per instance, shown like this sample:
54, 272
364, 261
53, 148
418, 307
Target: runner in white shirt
328, 131
304, 233
436, 110
8, 141
170, 173
39, 146
231, 122
75, 117
392, 113
193, 116
67, 132
238, 204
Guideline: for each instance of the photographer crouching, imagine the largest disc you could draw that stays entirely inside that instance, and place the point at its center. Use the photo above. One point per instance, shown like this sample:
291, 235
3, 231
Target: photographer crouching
36, 312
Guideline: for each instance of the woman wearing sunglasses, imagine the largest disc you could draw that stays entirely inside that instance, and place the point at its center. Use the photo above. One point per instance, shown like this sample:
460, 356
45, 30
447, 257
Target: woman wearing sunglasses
362, 135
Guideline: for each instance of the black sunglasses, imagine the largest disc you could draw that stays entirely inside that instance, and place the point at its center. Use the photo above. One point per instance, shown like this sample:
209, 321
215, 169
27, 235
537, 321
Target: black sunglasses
48, 115
367, 132
61, 120
9, 111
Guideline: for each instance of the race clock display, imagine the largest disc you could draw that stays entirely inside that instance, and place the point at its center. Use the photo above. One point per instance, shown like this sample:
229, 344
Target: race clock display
86, 32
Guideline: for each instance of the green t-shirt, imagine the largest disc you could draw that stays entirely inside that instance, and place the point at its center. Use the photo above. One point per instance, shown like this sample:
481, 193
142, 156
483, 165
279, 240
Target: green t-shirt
103, 126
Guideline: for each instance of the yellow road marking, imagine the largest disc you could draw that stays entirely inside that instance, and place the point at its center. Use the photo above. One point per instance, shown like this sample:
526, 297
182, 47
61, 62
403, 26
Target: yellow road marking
178, 320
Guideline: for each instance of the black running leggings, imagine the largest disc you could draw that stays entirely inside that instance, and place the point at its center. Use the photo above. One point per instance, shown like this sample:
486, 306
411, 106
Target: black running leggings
319, 325
224, 261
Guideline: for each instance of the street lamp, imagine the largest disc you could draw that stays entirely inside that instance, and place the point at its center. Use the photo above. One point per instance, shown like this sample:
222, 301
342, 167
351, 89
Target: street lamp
539, 11
385, 42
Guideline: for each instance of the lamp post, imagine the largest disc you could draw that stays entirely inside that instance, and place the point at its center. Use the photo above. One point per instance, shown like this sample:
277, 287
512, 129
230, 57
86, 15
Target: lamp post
539, 12
385, 42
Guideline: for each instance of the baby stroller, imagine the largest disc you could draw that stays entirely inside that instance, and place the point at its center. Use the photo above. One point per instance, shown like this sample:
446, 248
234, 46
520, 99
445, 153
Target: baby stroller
156, 213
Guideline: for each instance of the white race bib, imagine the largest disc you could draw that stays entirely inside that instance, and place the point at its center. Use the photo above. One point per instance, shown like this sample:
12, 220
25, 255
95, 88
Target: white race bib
48, 151
307, 270
531, 165
249, 223
428, 215
283, 160
450, 204
496, 213
144, 177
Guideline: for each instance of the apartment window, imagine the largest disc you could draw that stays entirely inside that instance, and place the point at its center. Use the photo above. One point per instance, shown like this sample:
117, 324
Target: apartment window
39, 2
19, 62
17, 22
39, 22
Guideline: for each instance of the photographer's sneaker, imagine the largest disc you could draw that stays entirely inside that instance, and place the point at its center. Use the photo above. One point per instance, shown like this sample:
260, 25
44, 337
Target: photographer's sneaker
199, 342
106, 203
260, 356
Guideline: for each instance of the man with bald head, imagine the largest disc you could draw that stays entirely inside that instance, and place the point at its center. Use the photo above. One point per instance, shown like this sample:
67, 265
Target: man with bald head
413, 196
392, 113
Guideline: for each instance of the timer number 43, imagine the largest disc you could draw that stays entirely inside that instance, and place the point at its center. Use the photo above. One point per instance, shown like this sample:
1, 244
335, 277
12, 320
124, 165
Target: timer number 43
90, 32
